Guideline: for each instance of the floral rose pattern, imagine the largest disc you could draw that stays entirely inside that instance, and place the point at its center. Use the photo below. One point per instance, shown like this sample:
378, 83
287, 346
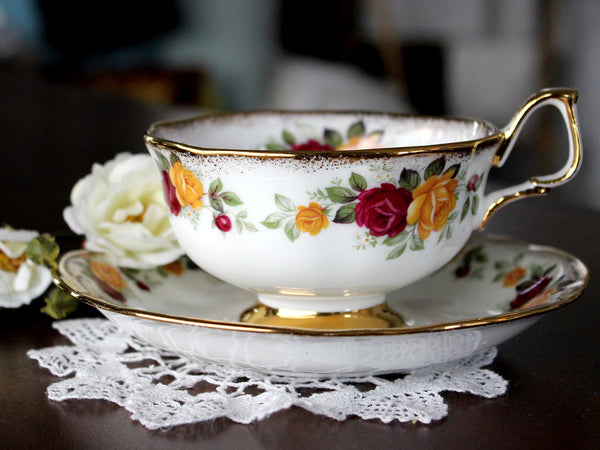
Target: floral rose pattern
188, 188
119, 282
433, 202
311, 219
383, 210
356, 137
184, 191
400, 213
532, 283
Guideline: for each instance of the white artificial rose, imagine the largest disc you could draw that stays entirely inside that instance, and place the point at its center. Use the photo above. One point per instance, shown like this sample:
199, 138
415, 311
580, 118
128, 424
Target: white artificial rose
21, 280
121, 210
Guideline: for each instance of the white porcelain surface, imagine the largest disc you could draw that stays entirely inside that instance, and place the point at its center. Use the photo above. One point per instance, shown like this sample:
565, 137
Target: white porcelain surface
460, 310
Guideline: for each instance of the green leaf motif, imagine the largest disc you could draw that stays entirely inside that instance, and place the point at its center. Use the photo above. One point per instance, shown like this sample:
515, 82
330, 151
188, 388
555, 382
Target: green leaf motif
231, 199
475, 205
435, 168
454, 169
216, 203
275, 146
357, 182
397, 252
284, 203
164, 162
338, 194
288, 137
409, 179
333, 138
345, 214
356, 129
215, 187
291, 231
174, 159
273, 221
465, 209
416, 243
398, 239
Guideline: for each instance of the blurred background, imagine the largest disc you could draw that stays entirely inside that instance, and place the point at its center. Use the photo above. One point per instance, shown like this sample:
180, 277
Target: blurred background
474, 58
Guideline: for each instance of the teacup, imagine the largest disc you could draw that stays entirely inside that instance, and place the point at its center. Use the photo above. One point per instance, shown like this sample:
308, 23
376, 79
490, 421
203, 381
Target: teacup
328, 211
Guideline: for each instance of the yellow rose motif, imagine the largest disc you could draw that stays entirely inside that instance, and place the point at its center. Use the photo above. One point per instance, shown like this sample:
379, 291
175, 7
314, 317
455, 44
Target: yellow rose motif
189, 189
432, 204
311, 219
108, 275
513, 277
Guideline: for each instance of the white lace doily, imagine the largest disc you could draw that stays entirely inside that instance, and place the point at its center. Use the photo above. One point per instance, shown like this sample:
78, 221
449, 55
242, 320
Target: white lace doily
162, 389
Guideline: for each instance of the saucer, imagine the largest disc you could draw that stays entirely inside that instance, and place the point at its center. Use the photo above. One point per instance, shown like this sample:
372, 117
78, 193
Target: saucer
493, 290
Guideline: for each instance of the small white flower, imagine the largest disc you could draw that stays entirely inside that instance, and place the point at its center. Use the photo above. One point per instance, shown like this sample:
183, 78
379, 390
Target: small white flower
121, 210
20, 279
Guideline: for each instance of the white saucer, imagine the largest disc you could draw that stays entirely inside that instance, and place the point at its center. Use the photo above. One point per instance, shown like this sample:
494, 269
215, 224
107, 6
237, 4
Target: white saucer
462, 309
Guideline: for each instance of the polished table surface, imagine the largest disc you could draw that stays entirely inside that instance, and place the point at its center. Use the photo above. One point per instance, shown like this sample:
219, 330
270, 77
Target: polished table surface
52, 135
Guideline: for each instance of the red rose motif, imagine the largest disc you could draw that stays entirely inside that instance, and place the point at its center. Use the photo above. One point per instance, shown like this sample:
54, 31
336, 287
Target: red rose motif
383, 210
170, 193
223, 222
312, 145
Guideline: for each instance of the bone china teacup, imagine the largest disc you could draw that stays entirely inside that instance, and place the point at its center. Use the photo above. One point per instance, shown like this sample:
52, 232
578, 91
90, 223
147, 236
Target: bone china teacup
329, 211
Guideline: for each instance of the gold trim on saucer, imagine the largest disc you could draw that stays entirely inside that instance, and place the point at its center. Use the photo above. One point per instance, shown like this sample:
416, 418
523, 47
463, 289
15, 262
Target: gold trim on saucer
380, 316
572, 292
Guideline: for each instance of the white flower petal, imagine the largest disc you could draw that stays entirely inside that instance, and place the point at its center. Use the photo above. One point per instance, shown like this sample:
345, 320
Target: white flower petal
104, 202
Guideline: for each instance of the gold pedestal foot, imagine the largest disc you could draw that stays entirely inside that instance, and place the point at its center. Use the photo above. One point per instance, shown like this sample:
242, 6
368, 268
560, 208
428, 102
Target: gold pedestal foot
380, 316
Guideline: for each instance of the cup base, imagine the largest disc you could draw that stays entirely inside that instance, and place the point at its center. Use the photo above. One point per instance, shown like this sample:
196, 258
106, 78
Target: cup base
380, 316
321, 303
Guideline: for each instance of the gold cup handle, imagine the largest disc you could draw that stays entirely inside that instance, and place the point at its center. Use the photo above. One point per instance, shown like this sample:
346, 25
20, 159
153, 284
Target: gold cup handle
564, 100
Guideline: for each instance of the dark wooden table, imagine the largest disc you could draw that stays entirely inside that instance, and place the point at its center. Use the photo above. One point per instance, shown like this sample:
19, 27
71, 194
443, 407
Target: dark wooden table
51, 137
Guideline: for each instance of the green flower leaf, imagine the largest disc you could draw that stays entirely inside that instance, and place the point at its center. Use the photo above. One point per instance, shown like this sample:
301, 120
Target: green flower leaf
273, 221
345, 214
284, 203
453, 170
475, 205
416, 243
356, 129
338, 194
275, 146
357, 182
59, 304
333, 138
162, 161
44, 250
231, 199
250, 226
397, 252
398, 239
174, 159
435, 168
409, 179
465, 209
291, 231
215, 187
288, 137
216, 203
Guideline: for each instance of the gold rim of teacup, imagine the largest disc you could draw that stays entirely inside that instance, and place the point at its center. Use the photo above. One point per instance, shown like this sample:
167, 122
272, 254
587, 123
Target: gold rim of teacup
466, 146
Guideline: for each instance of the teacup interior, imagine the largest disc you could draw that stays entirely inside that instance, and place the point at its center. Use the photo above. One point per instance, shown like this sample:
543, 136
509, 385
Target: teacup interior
284, 131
